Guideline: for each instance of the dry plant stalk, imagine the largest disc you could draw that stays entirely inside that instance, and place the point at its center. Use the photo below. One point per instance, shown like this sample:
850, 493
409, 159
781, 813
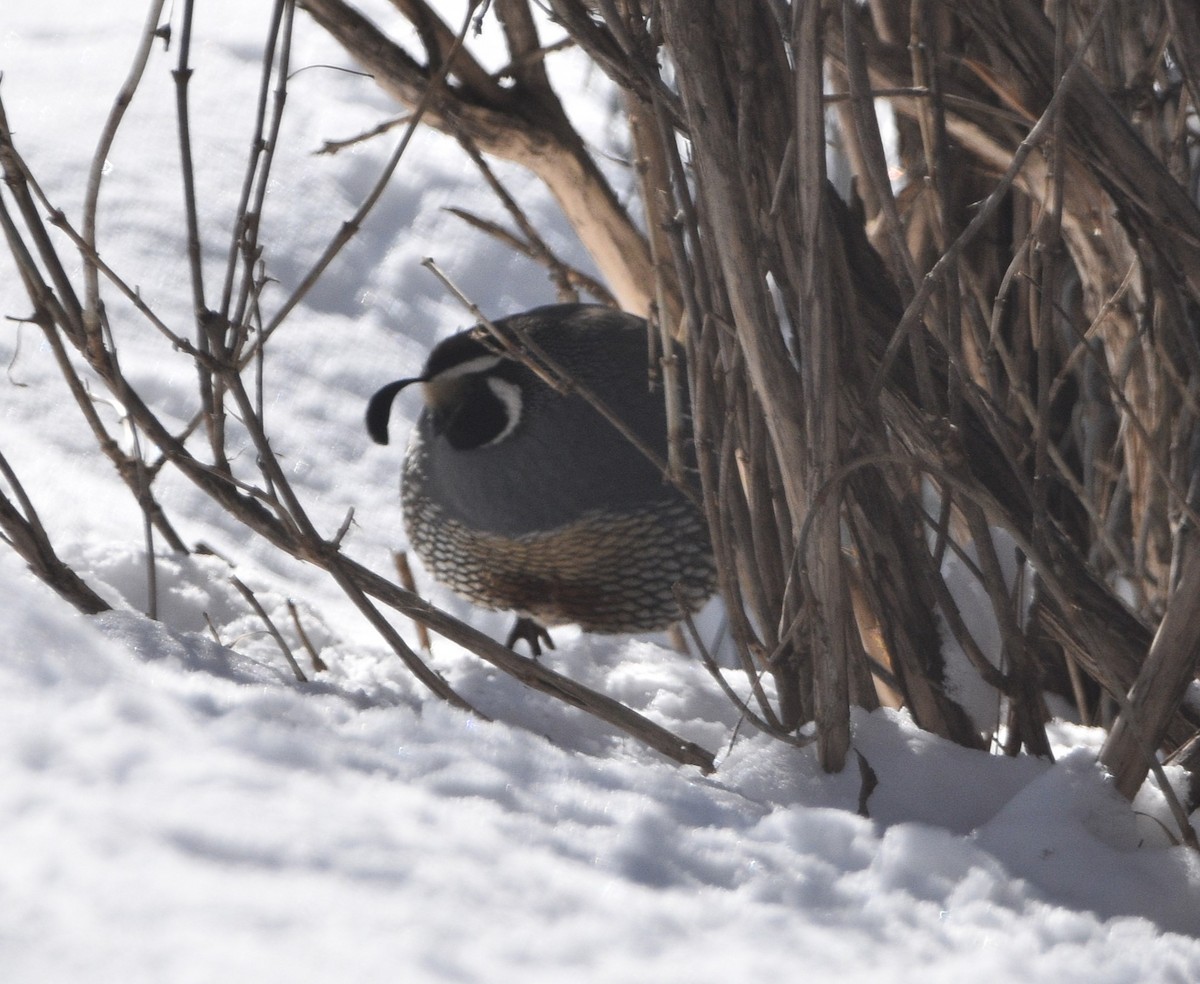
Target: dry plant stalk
272, 629
23, 531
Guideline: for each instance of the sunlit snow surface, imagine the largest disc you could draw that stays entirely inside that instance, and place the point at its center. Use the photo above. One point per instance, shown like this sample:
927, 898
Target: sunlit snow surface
174, 810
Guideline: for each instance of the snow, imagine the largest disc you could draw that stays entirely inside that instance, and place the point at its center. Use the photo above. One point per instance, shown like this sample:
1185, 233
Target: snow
180, 810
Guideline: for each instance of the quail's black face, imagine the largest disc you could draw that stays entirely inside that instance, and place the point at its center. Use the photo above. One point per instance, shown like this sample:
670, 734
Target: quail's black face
470, 395
472, 405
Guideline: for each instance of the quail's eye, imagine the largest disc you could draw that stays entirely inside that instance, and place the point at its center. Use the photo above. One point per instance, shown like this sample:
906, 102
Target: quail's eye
484, 412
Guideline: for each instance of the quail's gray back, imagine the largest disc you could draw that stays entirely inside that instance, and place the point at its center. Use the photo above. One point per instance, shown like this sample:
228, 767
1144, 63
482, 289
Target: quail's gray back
521, 498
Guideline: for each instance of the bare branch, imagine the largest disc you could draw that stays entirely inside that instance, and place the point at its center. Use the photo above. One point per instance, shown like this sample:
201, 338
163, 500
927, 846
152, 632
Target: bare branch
253, 602
27, 536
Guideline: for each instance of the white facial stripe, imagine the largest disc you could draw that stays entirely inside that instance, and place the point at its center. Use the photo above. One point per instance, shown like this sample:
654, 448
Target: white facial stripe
442, 391
510, 395
480, 363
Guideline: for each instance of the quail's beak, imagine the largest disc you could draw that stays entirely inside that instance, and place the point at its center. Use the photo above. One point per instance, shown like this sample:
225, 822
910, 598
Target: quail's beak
442, 392
443, 400
379, 408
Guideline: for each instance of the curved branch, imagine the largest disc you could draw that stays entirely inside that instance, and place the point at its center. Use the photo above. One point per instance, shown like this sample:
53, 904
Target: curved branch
528, 127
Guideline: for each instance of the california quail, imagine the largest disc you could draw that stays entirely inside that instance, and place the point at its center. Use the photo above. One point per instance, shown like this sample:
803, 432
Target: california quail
521, 498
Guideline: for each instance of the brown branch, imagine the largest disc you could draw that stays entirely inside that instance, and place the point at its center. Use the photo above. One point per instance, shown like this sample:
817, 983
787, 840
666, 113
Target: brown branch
318, 664
534, 246
261, 612
100, 160
528, 127
24, 532
1156, 694
442, 48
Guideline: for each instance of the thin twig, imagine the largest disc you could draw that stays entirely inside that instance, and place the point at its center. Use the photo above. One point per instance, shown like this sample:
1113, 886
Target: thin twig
319, 665
141, 479
747, 713
212, 630
25, 533
1136, 734
409, 583
100, 159
275, 634
182, 76
247, 220
251, 220
336, 146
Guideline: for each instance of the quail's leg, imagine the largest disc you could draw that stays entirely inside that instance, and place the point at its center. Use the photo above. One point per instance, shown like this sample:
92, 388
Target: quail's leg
533, 633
